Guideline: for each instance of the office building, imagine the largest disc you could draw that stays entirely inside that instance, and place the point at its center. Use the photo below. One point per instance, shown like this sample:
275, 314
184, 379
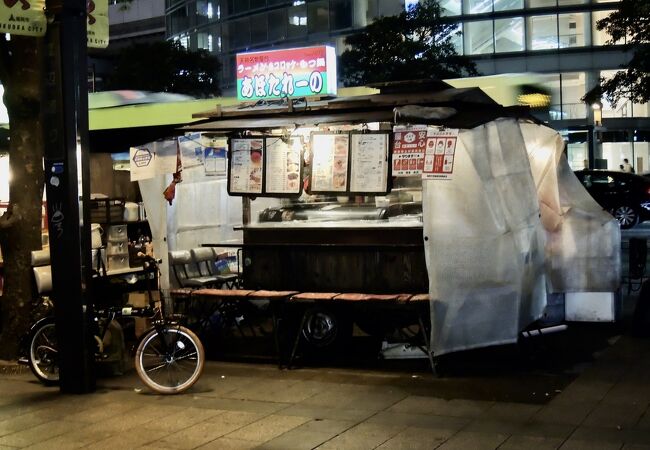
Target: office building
555, 39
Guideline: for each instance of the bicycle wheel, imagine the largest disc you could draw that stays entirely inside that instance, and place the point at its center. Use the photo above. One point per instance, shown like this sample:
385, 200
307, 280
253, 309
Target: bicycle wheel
170, 361
44, 353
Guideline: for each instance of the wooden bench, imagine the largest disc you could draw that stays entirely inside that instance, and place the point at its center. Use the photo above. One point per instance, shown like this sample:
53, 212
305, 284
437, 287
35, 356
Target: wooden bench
226, 300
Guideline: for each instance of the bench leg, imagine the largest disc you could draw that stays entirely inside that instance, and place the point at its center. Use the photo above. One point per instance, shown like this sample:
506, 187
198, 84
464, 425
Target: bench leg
297, 339
427, 343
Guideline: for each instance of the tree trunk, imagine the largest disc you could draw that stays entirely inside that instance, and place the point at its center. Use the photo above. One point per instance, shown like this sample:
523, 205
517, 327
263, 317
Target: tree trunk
21, 73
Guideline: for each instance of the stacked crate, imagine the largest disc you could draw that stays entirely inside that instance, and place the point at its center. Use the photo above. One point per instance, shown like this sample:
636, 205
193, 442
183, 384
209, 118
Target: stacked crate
117, 247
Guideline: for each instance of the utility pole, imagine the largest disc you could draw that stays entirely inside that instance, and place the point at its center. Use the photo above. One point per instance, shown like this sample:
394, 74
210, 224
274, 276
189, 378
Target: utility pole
65, 116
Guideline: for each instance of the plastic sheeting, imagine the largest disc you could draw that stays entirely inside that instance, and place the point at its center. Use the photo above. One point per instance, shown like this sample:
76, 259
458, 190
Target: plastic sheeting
583, 241
511, 224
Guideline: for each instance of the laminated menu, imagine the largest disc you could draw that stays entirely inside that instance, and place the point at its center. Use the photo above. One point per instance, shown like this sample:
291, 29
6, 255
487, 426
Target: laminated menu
246, 159
369, 163
329, 171
282, 168
409, 142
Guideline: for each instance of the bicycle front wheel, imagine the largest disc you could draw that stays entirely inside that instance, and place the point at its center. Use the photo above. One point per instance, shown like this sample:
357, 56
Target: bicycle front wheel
170, 360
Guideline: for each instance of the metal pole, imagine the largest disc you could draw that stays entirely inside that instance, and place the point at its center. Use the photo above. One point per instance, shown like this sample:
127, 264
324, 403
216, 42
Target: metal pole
67, 185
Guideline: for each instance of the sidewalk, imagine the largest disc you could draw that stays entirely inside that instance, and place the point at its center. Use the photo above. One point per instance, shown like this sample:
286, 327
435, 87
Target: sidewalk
244, 406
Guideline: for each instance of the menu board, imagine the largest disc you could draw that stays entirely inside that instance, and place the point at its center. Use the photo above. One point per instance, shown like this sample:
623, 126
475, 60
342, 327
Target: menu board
246, 159
282, 168
408, 149
329, 164
369, 163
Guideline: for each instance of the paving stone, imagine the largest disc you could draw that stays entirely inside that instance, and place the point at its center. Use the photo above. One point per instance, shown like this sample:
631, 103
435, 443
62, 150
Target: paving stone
229, 444
362, 436
431, 405
130, 440
102, 412
473, 440
518, 412
267, 428
577, 444
417, 439
297, 440
573, 413
77, 438
551, 430
181, 420
38, 433
531, 443
195, 436
315, 412
420, 420
628, 435
616, 415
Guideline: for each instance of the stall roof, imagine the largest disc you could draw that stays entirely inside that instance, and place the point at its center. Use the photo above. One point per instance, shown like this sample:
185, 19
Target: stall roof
470, 107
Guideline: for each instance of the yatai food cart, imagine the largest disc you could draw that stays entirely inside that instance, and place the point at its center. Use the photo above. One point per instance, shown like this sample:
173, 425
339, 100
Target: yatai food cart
418, 189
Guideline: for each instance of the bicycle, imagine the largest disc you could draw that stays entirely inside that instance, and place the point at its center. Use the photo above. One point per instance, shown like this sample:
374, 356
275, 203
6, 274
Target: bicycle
169, 357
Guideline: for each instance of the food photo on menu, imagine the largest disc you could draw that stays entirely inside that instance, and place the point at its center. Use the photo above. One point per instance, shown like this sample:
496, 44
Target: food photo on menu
255, 177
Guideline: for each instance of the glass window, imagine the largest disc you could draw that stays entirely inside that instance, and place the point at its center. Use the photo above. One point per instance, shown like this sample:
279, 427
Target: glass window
209, 39
277, 21
540, 3
478, 37
572, 2
340, 14
240, 6
259, 29
506, 5
457, 38
572, 29
318, 17
477, 6
600, 37
450, 7
573, 89
206, 11
258, 4
542, 32
297, 19
621, 109
179, 20
389, 7
509, 34
238, 34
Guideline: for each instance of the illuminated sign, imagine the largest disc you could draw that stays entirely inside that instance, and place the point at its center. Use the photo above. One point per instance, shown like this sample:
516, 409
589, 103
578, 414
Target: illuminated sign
296, 72
97, 25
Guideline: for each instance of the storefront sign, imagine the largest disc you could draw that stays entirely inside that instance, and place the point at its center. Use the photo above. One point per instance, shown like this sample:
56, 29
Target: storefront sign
23, 17
408, 150
440, 153
142, 163
97, 28
296, 72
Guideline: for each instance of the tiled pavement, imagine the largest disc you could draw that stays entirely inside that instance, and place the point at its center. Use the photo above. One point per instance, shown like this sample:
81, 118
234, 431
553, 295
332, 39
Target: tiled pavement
245, 406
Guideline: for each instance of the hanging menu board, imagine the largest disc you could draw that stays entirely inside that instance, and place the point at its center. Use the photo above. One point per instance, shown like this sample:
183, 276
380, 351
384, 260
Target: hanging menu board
283, 166
246, 160
408, 149
369, 163
329, 162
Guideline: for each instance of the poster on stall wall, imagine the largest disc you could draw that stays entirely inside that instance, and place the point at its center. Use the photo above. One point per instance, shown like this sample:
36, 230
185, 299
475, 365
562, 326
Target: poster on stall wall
329, 165
97, 26
282, 169
246, 159
215, 158
191, 150
369, 163
23, 17
409, 143
440, 154
143, 163
166, 156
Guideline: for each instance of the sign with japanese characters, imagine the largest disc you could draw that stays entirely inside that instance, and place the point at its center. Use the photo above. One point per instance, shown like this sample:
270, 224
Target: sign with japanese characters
23, 17
369, 163
246, 159
97, 28
296, 72
408, 150
439, 154
329, 162
283, 166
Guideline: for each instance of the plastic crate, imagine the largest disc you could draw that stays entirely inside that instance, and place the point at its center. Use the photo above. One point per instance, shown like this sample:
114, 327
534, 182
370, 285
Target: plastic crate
107, 210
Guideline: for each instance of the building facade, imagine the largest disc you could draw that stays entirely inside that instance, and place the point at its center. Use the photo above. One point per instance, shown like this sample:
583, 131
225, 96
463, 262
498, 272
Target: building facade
556, 40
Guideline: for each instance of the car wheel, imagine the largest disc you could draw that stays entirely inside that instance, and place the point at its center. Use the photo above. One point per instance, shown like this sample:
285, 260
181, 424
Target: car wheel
626, 215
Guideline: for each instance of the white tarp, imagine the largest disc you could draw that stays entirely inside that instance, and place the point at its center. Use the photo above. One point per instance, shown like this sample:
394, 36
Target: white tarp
493, 253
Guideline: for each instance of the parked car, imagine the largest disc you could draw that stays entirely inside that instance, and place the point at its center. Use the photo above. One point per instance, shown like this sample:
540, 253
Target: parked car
625, 195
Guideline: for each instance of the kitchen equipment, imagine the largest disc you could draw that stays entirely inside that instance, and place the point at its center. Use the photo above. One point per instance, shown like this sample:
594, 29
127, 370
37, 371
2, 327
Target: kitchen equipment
131, 212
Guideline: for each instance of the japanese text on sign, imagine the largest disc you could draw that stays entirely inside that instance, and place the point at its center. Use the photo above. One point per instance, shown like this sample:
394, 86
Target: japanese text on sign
439, 155
408, 150
286, 73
